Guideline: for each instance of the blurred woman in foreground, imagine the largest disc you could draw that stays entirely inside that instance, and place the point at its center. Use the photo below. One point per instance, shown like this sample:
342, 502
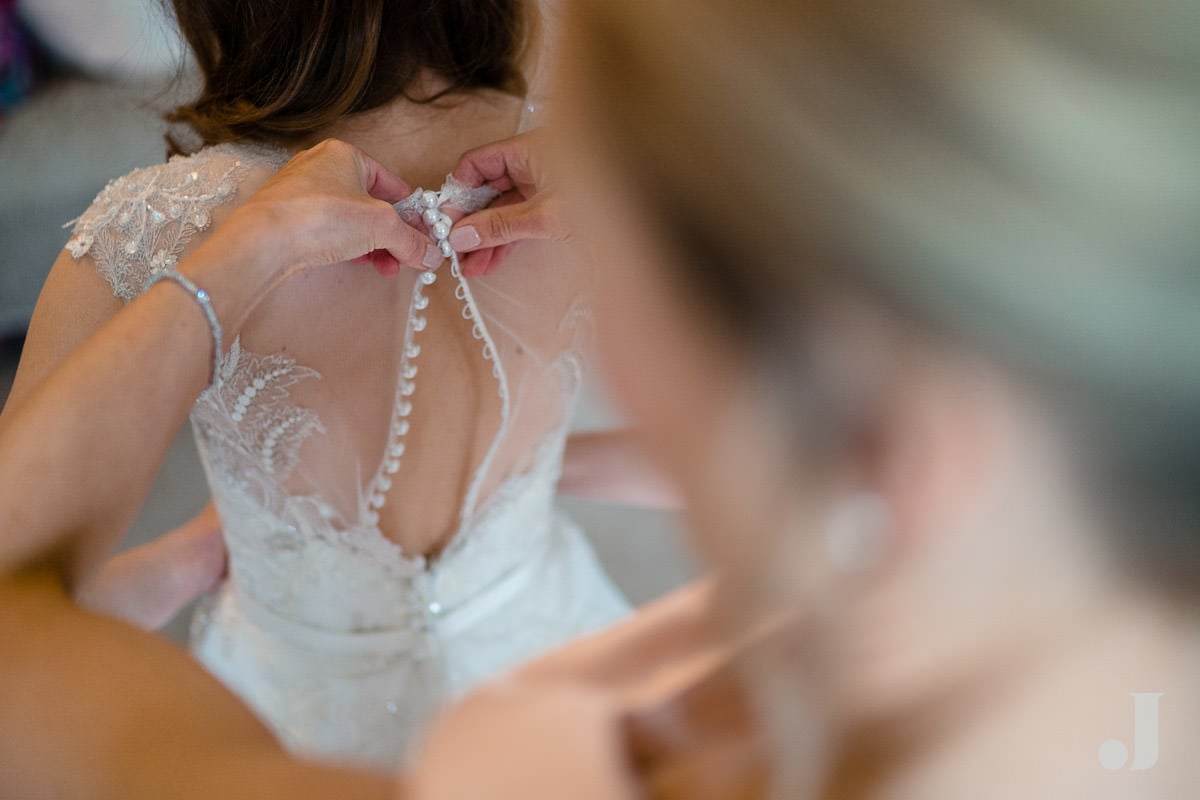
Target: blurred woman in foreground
923, 277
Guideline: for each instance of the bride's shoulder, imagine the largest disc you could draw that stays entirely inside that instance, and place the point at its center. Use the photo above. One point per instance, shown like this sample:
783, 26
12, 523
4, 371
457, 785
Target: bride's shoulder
141, 222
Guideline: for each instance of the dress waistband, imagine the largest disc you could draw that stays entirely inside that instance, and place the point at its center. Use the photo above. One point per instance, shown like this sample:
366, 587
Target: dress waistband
324, 639
430, 618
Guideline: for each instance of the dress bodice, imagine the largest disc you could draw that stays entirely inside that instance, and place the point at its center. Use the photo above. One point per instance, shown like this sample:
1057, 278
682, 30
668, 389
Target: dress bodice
354, 579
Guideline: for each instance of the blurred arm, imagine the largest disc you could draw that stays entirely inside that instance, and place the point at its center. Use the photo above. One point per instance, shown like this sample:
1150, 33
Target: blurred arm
92, 708
610, 466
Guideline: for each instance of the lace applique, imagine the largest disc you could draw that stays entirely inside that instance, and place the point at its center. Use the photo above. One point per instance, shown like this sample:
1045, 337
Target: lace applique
140, 223
246, 420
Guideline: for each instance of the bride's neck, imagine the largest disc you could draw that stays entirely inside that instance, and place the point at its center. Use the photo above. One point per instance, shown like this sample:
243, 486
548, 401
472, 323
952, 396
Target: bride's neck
421, 142
1043, 726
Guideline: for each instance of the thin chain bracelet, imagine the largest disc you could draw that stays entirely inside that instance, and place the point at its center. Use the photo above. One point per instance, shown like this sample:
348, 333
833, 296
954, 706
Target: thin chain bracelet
202, 297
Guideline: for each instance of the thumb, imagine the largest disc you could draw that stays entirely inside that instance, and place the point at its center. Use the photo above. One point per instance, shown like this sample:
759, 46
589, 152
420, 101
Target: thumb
407, 245
503, 224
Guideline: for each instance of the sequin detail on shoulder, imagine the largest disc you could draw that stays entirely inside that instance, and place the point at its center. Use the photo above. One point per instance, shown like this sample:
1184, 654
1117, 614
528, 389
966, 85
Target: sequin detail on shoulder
140, 223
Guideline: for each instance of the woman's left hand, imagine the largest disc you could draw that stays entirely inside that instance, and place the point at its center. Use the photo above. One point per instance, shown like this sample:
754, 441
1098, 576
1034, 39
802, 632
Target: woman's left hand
148, 585
525, 741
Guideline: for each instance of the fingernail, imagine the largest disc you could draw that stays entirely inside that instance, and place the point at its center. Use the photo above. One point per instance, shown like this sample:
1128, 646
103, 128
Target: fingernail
433, 257
464, 238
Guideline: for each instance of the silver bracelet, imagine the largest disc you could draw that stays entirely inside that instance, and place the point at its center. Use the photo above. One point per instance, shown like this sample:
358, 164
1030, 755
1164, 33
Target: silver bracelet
202, 297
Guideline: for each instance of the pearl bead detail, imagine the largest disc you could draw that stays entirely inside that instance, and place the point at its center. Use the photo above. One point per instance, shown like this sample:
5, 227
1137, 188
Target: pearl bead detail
426, 206
439, 223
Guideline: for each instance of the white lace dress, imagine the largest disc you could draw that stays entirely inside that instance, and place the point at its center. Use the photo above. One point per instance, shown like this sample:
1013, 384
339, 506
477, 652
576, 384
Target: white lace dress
343, 643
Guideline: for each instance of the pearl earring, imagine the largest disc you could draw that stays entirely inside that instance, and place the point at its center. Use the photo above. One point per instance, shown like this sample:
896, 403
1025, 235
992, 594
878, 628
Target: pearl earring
856, 531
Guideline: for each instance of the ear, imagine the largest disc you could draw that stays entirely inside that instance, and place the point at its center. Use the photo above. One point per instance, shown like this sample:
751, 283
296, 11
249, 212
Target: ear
938, 447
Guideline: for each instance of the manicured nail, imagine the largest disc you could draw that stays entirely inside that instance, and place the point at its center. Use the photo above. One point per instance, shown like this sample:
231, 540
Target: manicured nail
433, 257
464, 238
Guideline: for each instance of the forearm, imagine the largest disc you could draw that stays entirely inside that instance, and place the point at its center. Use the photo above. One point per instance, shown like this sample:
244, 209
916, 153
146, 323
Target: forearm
609, 466
657, 647
78, 455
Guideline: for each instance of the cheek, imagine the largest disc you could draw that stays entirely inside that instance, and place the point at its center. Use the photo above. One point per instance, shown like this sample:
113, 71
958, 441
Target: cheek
650, 357
649, 347
672, 373
686, 397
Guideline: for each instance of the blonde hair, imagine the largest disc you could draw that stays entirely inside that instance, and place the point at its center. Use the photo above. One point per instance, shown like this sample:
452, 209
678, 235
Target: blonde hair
1020, 176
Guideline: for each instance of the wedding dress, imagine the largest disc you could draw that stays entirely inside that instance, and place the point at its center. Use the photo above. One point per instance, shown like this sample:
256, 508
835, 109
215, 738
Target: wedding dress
341, 641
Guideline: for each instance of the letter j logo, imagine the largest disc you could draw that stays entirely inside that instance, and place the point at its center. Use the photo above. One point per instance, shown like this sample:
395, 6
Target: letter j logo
1114, 754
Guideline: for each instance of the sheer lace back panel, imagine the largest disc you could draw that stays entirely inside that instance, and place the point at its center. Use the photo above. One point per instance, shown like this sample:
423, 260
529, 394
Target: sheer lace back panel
362, 423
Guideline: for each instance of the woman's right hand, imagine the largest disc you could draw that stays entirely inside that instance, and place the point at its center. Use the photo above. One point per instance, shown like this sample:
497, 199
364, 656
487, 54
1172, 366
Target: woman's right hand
330, 204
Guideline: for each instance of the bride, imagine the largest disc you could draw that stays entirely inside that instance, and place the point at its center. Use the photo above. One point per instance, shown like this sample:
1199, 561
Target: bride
383, 453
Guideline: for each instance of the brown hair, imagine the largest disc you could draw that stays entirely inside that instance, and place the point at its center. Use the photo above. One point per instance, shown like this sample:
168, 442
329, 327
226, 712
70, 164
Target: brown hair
278, 70
1019, 177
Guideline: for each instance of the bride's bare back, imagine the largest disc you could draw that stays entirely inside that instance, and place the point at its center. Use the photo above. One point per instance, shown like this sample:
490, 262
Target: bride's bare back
352, 329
